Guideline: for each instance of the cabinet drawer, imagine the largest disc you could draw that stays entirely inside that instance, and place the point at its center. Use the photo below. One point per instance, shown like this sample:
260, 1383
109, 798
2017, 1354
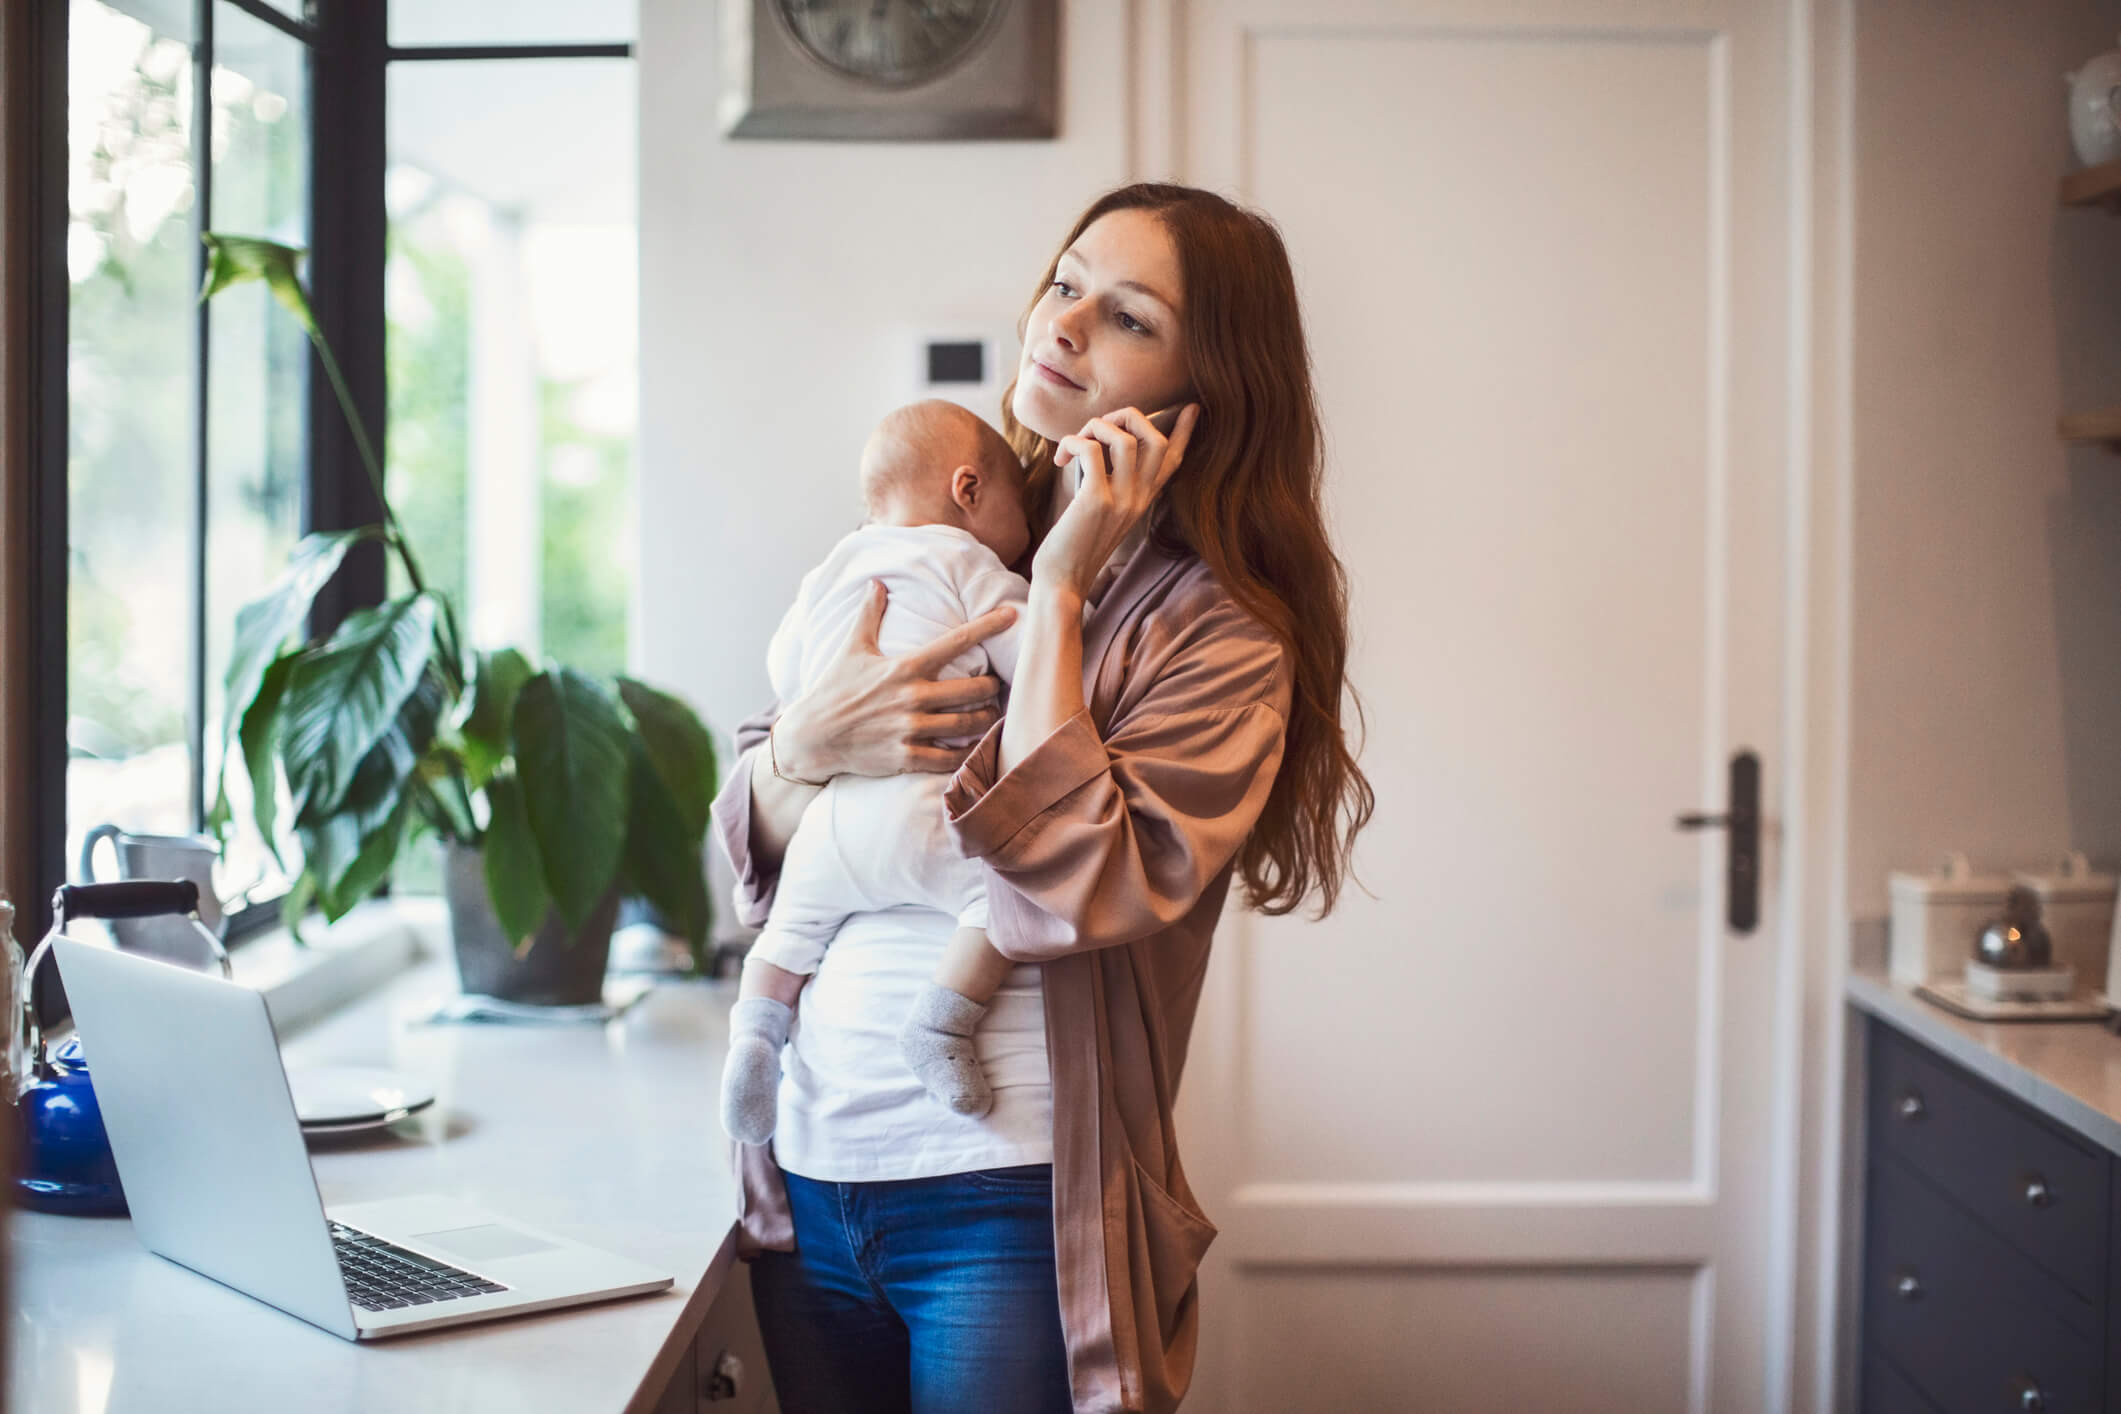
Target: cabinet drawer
2042, 1190
1972, 1324
1887, 1391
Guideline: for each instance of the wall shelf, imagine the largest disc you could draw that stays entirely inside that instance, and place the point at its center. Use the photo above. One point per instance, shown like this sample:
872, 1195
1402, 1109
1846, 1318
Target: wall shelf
2094, 186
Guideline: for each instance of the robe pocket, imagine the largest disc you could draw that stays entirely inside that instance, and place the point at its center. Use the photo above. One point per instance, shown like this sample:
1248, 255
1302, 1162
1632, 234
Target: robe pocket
1176, 1236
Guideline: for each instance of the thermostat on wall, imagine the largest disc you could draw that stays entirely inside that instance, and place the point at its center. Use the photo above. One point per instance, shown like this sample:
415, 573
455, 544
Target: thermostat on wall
958, 361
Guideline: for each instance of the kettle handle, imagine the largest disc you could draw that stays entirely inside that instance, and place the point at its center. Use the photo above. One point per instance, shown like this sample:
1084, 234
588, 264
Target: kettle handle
134, 898
28, 1035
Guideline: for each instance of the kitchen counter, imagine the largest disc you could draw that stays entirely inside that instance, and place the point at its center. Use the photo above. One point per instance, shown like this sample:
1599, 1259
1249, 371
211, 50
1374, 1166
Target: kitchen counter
2068, 1070
605, 1134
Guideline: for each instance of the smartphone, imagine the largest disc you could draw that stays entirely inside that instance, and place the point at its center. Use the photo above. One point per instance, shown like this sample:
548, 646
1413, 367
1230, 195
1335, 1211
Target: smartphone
1163, 422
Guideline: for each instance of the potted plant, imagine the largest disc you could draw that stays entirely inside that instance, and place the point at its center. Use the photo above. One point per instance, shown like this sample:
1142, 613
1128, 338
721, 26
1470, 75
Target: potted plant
553, 791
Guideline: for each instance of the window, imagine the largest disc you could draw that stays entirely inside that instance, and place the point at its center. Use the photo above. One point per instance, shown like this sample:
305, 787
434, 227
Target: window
502, 327
510, 294
187, 433
257, 379
510, 299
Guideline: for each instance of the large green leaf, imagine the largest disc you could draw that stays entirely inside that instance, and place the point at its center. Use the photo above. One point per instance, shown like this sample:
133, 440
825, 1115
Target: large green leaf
347, 862
663, 853
679, 749
390, 765
369, 867
343, 697
256, 735
441, 795
350, 848
500, 675
329, 849
264, 625
515, 877
570, 750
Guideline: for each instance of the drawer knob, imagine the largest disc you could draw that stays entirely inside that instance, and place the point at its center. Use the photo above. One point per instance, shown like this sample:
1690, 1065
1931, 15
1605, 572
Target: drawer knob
2037, 1192
1907, 1286
1911, 1107
2030, 1395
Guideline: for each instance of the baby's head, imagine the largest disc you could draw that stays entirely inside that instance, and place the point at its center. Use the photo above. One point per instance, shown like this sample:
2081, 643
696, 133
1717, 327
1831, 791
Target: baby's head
935, 463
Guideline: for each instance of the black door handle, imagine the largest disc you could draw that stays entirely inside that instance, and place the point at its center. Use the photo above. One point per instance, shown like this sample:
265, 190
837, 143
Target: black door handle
1741, 883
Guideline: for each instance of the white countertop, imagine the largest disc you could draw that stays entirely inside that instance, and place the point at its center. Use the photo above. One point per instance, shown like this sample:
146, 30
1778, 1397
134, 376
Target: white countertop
606, 1134
2068, 1070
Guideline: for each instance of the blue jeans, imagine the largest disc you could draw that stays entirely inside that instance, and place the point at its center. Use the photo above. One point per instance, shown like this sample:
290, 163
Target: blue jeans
918, 1296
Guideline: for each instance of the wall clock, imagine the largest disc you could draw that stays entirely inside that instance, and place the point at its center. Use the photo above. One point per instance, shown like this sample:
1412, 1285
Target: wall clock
890, 69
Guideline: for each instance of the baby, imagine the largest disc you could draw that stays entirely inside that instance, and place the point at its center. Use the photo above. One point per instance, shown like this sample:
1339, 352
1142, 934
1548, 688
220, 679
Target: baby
945, 501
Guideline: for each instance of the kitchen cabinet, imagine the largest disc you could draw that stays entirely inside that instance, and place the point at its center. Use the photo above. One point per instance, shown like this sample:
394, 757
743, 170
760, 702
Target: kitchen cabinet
1989, 1246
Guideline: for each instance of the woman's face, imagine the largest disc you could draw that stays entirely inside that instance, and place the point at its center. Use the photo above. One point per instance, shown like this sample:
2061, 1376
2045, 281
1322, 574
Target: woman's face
1107, 333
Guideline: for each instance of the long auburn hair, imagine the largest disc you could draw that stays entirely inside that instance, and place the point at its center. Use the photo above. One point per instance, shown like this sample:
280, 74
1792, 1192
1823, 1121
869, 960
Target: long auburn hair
1246, 501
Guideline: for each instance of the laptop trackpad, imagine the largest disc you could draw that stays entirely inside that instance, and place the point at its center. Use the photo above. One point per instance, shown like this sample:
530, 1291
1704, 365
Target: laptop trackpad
483, 1242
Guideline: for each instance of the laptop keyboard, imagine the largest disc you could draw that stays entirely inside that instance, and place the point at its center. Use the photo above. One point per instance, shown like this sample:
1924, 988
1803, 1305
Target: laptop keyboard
382, 1276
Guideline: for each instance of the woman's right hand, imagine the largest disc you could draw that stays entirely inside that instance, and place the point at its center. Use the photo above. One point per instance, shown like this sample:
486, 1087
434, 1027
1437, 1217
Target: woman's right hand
869, 715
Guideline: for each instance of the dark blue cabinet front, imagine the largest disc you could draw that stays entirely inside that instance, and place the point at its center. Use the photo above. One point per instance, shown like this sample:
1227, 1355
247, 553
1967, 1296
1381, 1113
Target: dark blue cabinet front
1987, 1247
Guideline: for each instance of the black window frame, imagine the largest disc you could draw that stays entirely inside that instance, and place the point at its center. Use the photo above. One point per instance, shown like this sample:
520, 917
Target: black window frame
349, 59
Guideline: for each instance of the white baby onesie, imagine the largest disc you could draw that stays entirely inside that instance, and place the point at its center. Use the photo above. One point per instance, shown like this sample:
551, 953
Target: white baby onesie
876, 842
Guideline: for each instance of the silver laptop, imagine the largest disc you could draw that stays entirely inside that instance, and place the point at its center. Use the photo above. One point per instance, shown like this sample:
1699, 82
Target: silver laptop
187, 1073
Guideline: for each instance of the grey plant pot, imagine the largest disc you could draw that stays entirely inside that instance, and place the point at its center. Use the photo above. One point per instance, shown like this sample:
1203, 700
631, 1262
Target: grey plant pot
559, 970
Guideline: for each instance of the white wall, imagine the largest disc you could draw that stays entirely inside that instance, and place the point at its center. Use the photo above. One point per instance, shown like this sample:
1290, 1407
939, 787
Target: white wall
781, 282
1965, 588
1987, 594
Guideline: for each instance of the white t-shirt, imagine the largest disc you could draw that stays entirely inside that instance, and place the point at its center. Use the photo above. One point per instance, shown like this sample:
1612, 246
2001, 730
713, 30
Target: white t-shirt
850, 1109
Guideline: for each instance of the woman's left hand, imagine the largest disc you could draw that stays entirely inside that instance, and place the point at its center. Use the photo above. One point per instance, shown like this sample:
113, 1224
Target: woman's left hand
1124, 463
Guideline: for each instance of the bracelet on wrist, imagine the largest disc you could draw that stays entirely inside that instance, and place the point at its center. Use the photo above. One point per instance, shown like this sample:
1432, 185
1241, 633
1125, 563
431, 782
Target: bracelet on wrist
773, 759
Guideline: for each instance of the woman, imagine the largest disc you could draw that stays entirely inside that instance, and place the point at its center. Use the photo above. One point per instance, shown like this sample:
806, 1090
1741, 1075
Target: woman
1174, 720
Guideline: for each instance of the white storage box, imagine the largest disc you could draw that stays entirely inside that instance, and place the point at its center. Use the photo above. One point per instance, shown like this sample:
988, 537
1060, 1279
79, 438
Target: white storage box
1938, 918
2077, 905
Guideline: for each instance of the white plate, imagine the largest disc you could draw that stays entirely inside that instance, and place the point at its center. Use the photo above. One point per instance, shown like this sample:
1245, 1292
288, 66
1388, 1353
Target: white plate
338, 1097
312, 1131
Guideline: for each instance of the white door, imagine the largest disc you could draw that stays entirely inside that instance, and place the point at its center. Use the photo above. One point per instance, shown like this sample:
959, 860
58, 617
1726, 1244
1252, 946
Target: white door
1503, 1137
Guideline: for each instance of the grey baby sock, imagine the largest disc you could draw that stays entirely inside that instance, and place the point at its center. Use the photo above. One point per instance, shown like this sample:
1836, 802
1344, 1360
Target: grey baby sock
751, 1079
937, 1042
